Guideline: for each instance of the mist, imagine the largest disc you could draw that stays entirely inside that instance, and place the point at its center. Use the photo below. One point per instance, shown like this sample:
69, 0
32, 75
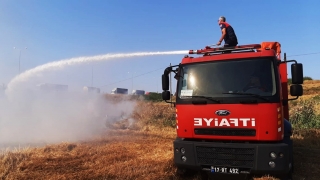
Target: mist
30, 115
38, 117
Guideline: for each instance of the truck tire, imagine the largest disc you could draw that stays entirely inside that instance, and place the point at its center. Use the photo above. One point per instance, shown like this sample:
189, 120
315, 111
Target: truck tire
292, 163
287, 176
182, 172
204, 175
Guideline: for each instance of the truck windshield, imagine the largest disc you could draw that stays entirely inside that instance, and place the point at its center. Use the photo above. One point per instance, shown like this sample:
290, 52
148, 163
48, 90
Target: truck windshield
230, 78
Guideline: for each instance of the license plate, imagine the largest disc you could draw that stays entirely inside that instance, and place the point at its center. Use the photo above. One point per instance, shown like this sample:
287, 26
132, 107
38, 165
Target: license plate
226, 170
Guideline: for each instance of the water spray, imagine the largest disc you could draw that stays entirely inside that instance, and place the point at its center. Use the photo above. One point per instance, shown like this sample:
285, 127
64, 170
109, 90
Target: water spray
30, 115
73, 61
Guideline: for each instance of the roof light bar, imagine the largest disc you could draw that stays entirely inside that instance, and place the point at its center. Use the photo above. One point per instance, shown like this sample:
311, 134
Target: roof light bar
208, 49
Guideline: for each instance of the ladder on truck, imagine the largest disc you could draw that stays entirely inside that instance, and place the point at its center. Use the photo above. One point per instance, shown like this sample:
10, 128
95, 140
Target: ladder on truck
211, 50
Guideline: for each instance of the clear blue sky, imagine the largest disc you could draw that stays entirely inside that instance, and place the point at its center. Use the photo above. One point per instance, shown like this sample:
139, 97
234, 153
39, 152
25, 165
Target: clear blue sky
60, 29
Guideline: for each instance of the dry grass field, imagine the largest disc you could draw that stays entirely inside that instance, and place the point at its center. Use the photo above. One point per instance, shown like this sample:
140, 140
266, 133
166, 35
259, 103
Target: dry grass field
142, 150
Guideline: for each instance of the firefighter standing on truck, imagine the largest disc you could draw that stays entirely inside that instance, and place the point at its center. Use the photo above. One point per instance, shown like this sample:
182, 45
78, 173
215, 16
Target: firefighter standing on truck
228, 34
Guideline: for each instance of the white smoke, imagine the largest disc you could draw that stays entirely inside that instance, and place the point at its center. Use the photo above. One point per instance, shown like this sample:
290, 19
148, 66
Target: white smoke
29, 115
51, 117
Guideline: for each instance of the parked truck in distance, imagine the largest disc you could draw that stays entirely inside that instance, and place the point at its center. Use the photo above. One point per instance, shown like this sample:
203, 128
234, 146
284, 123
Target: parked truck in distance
47, 87
232, 114
91, 89
138, 92
119, 91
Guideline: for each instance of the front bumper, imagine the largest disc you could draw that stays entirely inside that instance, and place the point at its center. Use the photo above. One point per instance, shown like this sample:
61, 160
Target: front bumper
249, 158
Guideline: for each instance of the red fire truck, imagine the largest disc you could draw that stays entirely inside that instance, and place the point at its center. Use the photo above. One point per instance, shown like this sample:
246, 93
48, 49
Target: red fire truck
232, 114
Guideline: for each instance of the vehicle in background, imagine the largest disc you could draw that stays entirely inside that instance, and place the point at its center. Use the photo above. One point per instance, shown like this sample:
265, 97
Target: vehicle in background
91, 89
47, 87
138, 92
119, 91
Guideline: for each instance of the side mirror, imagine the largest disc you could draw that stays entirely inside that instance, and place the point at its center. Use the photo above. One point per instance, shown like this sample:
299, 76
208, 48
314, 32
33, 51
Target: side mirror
165, 78
165, 82
167, 70
297, 73
296, 90
166, 95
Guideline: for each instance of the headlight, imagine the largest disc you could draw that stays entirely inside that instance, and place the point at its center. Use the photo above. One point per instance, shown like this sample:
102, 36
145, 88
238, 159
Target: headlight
182, 150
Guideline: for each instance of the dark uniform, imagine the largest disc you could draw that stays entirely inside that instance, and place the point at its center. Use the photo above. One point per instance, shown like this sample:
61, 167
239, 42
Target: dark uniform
230, 39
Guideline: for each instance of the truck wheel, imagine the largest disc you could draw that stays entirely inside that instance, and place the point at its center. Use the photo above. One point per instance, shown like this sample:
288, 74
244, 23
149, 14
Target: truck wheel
292, 164
185, 172
204, 175
287, 176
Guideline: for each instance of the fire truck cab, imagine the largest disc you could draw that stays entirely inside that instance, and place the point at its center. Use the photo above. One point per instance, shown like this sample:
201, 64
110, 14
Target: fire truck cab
232, 114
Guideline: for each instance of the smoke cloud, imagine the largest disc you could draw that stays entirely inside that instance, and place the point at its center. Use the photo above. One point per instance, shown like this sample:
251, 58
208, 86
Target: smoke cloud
29, 115
37, 117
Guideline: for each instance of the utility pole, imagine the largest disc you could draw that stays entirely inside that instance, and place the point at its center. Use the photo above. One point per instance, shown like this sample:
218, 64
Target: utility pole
19, 56
170, 88
131, 81
170, 83
3, 86
92, 76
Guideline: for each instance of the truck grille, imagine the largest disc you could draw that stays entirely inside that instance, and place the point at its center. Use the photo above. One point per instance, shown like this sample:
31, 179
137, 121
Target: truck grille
225, 132
221, 156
